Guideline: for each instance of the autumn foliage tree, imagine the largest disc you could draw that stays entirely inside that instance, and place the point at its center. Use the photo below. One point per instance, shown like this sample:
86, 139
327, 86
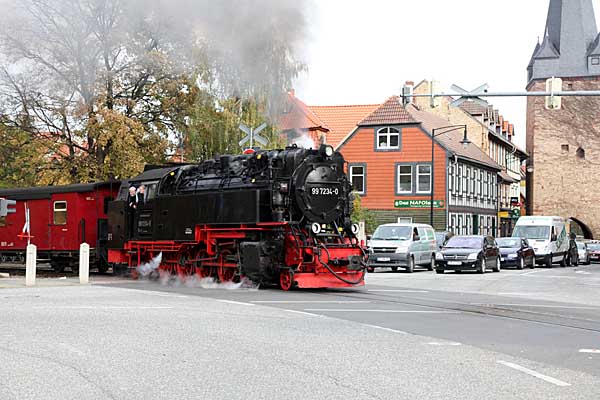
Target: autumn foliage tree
94, 89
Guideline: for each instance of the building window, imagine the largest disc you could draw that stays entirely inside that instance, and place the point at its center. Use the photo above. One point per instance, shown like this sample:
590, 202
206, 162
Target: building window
60, 213
358, 177
595, 60
580, 153
424, 178
451, 179
2, 221
388, 139
564, 148
404, 179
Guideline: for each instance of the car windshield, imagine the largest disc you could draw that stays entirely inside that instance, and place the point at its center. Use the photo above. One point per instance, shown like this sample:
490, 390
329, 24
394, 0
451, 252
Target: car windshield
464, 242
440, 238
508, 242
532, 232
392, 233
594, 246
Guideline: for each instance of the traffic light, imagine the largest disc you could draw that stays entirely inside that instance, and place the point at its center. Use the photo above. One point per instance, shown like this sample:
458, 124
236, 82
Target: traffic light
4, 204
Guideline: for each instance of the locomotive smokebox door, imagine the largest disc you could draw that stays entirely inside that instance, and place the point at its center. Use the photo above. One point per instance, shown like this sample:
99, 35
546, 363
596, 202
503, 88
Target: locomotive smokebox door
321, 192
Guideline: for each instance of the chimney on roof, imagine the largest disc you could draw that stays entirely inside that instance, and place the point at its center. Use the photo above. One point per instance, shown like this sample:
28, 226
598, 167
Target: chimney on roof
407, 93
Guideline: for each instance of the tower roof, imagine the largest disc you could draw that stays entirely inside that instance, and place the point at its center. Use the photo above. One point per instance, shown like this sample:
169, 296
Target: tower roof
569, 39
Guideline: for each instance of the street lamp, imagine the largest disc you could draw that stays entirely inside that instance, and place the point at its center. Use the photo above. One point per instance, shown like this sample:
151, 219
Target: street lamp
434, 133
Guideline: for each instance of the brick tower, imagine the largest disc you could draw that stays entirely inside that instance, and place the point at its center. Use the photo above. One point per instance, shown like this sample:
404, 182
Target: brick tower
563, 176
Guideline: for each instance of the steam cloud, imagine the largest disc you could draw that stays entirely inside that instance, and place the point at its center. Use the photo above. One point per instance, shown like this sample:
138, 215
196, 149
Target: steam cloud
149, 269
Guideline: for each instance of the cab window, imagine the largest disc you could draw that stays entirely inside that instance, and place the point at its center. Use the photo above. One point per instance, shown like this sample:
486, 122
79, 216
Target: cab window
60, 213
422, 233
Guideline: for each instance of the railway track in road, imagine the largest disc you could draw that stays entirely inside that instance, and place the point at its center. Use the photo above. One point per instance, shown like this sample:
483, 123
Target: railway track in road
523, 312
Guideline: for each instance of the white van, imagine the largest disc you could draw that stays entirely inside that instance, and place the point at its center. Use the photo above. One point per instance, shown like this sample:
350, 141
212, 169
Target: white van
548, 237
402, 245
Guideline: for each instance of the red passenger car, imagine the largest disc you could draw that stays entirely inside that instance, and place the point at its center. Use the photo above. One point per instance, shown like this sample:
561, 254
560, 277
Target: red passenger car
60, 219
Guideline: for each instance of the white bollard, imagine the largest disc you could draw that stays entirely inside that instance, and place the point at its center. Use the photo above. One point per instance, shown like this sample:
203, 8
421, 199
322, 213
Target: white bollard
84, 263
30, 265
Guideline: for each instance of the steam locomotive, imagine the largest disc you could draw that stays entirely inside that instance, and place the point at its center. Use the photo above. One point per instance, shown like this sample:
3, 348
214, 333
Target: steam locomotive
276, 217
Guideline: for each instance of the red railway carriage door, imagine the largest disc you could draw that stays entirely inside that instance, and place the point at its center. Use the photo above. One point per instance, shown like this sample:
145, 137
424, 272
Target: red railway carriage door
58, 223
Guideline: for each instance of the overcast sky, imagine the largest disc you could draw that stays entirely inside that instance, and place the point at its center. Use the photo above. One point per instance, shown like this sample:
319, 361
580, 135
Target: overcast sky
361, 52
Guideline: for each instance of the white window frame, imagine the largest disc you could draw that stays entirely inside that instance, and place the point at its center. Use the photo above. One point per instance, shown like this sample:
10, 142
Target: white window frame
419, 175
399, 174
56, 209
387, 132
364, 177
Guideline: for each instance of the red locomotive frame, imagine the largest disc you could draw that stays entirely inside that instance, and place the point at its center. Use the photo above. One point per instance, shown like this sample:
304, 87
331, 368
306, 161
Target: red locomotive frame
214, 253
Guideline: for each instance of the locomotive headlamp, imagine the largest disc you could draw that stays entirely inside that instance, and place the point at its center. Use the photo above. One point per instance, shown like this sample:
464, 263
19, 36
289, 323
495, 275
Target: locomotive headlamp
326, 150
315, 228
355, 229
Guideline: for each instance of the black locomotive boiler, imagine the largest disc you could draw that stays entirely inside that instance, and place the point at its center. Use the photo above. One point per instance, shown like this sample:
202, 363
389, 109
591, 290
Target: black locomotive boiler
276, 216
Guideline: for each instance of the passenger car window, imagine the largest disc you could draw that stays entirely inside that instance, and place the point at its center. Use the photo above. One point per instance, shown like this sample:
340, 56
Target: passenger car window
60, 213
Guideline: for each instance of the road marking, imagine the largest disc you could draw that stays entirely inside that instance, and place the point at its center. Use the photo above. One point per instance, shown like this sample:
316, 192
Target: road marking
593, 351
537, 306
309, 301
165, 294
102, 308
380, 311
528, 371
515, 294
398, 290
386, 329
445, 344
304, 313
234, 302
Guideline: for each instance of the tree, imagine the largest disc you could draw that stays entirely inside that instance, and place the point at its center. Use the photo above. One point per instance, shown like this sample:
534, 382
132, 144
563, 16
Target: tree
108, 85
359, 213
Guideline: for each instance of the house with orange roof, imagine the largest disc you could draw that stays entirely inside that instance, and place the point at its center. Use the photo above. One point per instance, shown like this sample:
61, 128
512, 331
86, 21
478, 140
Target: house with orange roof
388, 150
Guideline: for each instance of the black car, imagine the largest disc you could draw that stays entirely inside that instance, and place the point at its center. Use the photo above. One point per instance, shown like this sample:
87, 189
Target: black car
515, 252
468, 253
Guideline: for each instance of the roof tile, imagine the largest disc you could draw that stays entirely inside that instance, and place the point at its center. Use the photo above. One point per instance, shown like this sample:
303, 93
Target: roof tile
341, 120
389, 113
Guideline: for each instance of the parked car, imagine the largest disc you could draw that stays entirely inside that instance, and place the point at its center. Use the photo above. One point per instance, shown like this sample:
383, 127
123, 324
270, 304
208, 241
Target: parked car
547, 236
515, 252
584, 253
441, 237
468, 253
402, 246
594, 250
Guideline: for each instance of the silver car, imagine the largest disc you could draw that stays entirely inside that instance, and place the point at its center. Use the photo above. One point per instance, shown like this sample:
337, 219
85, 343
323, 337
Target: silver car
584, 253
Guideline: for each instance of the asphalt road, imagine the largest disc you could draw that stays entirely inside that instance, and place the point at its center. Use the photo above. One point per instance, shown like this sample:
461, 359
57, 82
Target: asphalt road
509, 335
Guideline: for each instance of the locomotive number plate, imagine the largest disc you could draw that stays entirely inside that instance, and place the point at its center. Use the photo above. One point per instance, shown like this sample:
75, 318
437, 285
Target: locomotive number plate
323, 191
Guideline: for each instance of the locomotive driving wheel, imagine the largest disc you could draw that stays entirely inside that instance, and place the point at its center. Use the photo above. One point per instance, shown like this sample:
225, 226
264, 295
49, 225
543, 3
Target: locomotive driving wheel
202, 271
286, 279
225, 273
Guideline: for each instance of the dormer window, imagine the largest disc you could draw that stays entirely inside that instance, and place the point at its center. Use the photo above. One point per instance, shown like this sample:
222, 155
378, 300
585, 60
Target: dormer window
595, 60
388, 139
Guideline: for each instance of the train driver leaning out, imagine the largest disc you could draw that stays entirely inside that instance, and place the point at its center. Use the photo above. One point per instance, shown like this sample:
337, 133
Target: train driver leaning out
141, 195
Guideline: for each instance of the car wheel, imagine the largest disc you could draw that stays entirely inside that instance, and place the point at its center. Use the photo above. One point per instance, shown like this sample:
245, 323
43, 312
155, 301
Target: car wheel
410, 265
521, 264
497, 268
481, 265
532, 265
563, 262
431, 266
549, 261
394, 269
371, 269
439, 271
